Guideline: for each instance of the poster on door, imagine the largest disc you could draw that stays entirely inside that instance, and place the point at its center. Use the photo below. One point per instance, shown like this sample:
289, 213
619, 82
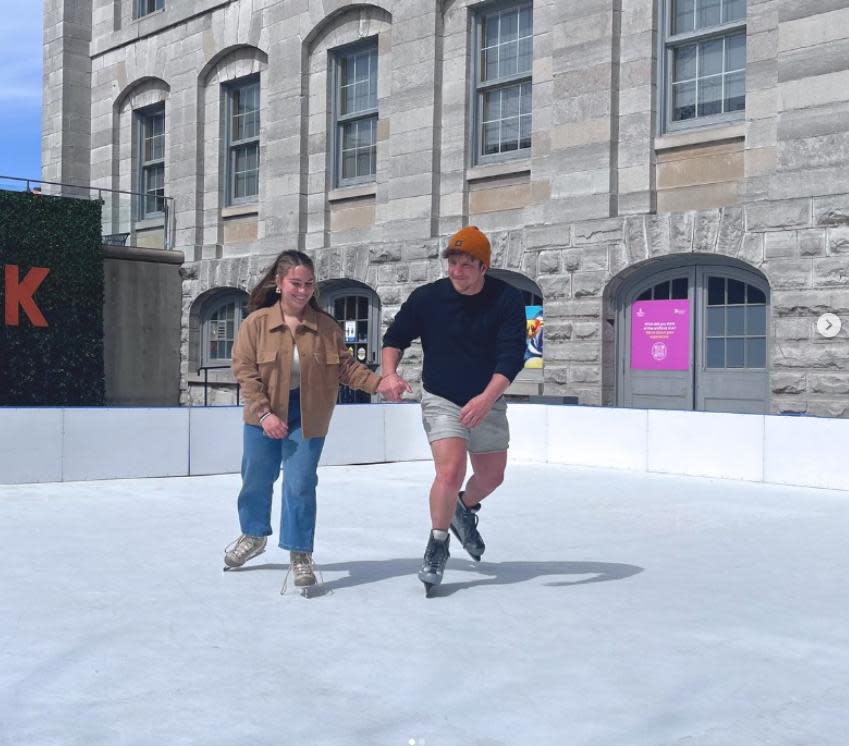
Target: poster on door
660, 335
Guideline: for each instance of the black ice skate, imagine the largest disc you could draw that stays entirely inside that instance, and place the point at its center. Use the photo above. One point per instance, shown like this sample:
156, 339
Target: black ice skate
464, 526
433, 565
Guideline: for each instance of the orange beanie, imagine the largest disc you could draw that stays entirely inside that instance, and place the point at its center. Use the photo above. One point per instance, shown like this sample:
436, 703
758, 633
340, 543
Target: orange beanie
470, 240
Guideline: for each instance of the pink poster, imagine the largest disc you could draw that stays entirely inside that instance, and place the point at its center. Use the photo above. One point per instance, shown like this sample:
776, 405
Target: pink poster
660, 335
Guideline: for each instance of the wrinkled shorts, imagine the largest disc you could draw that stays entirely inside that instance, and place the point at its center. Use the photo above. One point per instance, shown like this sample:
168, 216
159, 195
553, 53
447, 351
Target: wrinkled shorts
441, 419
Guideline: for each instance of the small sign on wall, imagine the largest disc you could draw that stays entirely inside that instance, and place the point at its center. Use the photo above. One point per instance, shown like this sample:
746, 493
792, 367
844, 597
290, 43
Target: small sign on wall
660, 335
350, 332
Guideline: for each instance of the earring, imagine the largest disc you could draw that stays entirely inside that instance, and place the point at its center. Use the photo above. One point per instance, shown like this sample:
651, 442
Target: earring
277, 290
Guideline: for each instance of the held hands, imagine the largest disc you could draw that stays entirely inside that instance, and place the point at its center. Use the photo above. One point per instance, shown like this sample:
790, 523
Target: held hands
274, 427
392, 387
475, 411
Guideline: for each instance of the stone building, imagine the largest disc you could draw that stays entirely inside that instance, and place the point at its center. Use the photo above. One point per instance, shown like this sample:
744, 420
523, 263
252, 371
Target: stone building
617, 152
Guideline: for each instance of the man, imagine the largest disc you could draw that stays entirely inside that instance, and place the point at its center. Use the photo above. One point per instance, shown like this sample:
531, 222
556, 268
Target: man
472, 329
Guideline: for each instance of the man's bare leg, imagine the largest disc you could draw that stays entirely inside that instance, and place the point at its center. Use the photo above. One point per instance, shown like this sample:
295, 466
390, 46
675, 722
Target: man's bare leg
487, 475
449, 460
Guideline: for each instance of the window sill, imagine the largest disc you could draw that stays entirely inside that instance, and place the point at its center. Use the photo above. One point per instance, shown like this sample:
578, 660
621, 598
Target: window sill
494, 170
352, 192
239, 211
700, 136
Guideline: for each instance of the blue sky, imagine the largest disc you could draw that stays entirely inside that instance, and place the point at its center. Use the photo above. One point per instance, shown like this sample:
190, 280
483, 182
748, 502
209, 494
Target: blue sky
20, 87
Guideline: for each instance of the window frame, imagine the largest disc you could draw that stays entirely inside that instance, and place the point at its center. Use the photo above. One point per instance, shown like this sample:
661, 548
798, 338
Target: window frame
339, 120
142, 8
479, 88
232, 146
145, 167
668, 42
240, 300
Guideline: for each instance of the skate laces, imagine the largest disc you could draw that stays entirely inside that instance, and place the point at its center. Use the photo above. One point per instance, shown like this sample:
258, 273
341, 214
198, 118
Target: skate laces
243, 546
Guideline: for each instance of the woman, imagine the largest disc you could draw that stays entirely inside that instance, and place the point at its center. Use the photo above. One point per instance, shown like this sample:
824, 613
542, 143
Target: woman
289, 358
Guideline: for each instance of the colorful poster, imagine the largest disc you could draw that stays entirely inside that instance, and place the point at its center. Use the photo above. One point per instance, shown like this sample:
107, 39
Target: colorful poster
660, 335
533, 346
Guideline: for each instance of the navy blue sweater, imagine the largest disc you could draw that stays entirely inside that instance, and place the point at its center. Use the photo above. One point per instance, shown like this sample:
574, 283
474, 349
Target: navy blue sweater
465, 338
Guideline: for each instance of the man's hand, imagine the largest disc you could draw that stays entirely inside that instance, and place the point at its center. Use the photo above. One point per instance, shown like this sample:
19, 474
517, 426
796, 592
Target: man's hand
475, 411
393, 387
274, 427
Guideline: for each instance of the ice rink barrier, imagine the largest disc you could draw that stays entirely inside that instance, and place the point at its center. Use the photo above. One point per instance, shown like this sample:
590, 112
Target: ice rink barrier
40, 444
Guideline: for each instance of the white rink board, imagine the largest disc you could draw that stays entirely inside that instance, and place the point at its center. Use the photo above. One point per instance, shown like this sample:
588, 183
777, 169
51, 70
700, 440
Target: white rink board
44, 444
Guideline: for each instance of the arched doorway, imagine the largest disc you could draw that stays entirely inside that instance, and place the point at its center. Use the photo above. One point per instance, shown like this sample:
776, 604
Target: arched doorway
692, 334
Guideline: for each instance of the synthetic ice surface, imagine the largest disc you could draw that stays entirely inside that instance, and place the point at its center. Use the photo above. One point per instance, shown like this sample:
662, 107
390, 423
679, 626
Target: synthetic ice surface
610, 608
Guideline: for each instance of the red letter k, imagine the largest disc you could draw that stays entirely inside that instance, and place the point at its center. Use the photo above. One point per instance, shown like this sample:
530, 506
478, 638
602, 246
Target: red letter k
19, 295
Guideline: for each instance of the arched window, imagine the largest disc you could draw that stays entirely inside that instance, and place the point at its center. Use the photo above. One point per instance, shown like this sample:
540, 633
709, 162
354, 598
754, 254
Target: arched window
220, 320
534, 316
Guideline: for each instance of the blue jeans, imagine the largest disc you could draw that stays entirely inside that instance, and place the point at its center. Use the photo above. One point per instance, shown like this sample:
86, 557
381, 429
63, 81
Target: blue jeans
261, 460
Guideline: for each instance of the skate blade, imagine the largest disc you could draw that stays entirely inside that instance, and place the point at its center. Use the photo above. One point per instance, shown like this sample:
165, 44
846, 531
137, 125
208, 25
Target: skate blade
227, 568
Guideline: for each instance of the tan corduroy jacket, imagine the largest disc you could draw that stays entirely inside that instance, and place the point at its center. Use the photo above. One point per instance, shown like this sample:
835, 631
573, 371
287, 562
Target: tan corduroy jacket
262, 361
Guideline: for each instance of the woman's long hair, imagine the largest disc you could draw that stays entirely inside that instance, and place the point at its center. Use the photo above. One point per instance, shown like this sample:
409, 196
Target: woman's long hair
265, 292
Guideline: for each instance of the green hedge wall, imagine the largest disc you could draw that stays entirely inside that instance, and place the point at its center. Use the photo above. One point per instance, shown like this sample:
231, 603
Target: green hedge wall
61, 364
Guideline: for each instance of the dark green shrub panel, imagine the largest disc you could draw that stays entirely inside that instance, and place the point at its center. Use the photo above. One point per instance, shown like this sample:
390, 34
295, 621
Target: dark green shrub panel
61, 363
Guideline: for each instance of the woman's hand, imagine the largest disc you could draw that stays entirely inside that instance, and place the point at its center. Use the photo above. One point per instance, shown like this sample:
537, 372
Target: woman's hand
392, 387
274, 427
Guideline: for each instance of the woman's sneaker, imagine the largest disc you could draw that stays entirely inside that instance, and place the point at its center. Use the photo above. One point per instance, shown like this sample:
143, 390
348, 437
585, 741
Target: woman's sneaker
303, 569
464, 525
244, 548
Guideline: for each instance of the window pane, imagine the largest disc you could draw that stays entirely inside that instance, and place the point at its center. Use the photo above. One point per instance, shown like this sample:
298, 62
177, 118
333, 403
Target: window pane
661, 291
716, 322
683, 16
362, 308
363, 162
735, 52
645, 295
683, 101
489, 64
708, 13
735, 92
734, 10
525, 132
735, 319
527, 97
680, 285
491, 138
526, 22
710, 61
756, 353
716, 291
509, 26
736, 292
508, 59
362, 331
756, 320
510, 101
509, 134
716, 353
490, 31
755, 295
735, 351
710, 96
526, 55
339, 309
349, 164
492, 106
684, 63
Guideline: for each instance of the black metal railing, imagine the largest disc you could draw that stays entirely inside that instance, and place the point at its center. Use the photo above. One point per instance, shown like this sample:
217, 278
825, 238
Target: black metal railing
352, 396
205, 370
120, 214
346, 395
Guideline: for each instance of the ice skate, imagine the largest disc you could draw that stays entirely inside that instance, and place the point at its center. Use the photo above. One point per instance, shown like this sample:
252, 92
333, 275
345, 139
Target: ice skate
464, 525
433, 565
242, 549
303, 570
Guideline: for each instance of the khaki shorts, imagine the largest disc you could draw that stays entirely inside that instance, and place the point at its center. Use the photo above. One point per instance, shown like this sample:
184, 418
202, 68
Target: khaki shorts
441, 419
